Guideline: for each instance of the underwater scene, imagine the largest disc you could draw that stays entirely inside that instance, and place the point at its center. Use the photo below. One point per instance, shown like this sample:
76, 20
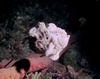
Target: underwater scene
49, 39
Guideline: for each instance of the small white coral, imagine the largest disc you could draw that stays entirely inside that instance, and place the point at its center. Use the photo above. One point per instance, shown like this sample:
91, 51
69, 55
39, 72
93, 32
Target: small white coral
35, 75
52, 39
